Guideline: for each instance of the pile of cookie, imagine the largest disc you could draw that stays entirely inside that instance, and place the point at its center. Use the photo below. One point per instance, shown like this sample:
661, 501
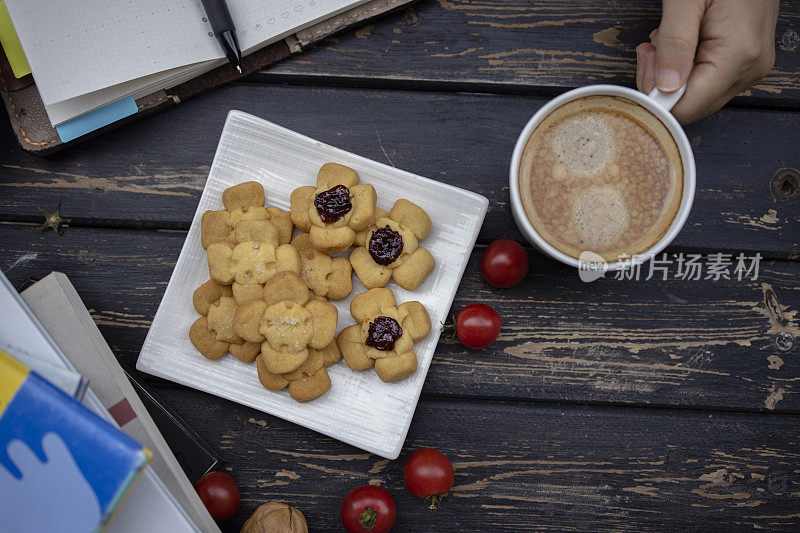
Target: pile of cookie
267, 299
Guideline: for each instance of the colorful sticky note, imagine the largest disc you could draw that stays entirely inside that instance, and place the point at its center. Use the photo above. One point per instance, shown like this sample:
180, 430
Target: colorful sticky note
72, 129
11, 45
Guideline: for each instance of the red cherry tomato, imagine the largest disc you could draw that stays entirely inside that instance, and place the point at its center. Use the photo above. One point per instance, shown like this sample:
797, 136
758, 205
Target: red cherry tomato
368, 508
504, 263
428, 473
219, 494
477, 326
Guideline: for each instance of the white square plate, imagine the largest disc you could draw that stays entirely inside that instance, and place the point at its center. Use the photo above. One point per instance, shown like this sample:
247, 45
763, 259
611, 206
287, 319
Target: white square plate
359, 409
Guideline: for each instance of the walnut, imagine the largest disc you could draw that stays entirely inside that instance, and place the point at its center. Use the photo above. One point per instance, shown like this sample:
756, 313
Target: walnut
276, 517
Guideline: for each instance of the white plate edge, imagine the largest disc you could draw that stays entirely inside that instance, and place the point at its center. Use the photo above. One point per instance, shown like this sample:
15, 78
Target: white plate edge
156, 370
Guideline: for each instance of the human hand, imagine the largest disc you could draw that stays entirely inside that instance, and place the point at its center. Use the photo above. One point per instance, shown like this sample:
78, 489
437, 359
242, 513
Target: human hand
717, 47
66, 500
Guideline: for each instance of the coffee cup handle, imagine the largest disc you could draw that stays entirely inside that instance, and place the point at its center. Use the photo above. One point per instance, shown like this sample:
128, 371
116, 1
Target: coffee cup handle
667, 100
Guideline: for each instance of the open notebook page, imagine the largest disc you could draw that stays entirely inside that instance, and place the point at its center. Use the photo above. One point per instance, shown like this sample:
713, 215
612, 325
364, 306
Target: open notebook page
258, 24
60, 112
80, 46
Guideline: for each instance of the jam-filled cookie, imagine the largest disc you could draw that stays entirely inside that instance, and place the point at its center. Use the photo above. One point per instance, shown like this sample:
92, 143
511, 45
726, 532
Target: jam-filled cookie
390, 249
384, 335
333, 211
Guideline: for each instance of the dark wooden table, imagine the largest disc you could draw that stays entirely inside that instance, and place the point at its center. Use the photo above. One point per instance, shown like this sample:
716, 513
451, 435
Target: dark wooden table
615, 405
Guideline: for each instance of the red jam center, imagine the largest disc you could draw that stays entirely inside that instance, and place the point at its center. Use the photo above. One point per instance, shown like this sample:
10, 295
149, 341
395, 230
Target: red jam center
385, 245
383, 332
333, 204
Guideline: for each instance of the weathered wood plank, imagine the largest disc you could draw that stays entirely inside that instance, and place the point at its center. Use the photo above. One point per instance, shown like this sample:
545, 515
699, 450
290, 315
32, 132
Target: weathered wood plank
151, 173
514, 46
526, 467
685, 343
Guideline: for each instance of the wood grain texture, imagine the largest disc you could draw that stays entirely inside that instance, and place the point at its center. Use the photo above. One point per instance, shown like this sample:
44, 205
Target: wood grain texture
150, 174
515, 46
702, 344
611, 406
527, 467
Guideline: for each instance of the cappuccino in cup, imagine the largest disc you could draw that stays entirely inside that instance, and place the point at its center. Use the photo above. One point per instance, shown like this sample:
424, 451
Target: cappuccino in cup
601, 174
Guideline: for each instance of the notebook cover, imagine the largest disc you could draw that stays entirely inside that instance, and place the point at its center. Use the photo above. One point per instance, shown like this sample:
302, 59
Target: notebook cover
37, 135
62, 468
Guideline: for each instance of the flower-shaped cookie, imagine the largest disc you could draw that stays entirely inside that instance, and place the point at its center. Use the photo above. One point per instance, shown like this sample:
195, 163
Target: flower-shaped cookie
291, 326
262, 232
212, 334
253, 257
390, 248
384, 335
309, 381
329, 277
243, 202
333, 211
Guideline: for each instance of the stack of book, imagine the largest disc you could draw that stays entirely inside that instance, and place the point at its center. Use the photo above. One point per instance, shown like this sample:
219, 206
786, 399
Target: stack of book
110, 463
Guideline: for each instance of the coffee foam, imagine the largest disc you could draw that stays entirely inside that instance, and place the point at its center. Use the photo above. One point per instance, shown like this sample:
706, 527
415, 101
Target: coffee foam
600, 217
584, 144
601, 174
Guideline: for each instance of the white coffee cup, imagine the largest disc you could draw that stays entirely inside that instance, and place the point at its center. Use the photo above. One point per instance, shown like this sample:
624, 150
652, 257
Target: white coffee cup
659, 104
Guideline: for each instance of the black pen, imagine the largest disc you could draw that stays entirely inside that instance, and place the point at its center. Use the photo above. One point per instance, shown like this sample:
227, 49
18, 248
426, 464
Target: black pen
222, 25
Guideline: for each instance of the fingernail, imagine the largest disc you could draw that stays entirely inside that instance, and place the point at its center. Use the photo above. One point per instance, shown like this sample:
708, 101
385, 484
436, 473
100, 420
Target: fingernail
668, 80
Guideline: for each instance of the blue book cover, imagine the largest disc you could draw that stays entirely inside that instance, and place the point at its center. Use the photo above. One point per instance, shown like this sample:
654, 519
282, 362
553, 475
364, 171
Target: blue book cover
62, 467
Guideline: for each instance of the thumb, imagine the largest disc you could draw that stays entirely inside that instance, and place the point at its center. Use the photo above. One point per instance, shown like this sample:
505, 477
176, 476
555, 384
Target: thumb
677, 42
